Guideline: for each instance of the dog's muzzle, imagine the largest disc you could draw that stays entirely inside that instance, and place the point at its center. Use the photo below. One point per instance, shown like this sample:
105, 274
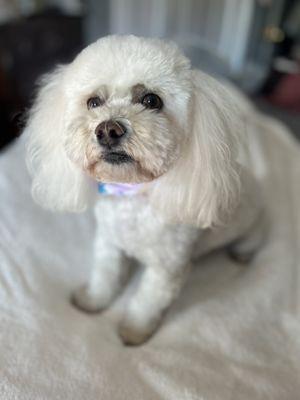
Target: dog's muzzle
109, 136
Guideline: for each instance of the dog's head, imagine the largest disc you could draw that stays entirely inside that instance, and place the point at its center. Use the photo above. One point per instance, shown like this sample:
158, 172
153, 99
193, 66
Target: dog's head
131, 110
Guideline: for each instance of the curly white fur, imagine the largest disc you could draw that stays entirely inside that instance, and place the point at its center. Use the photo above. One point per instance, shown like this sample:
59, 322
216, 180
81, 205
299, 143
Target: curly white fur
197, 194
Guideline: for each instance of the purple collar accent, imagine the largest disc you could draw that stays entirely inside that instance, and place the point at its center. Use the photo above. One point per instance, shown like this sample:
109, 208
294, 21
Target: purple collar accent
119, 189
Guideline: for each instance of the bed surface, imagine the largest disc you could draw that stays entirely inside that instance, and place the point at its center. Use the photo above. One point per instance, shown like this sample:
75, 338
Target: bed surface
233, 334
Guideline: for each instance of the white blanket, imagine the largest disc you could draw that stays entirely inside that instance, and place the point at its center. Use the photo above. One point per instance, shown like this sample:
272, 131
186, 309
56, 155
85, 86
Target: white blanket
233, 334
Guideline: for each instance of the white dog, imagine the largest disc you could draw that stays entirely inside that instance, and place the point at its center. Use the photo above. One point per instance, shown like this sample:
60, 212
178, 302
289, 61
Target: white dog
166, 142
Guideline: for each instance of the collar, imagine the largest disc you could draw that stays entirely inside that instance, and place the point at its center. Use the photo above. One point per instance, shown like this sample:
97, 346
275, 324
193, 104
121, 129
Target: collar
119, 189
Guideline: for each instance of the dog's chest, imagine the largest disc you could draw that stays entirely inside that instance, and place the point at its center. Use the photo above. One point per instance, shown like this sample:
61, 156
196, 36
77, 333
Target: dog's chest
130, 223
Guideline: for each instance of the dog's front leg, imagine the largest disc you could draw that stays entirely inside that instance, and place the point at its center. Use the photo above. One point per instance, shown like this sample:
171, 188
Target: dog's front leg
105, 280
158, 287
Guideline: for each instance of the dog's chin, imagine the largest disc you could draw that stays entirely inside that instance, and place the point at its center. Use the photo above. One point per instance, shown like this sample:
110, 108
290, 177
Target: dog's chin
119, 167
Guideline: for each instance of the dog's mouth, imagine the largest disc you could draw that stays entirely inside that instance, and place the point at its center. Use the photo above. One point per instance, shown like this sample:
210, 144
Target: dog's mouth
117, 157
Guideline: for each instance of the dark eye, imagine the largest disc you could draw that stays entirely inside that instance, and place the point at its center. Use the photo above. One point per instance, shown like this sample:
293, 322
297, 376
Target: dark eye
152, 101
94, 102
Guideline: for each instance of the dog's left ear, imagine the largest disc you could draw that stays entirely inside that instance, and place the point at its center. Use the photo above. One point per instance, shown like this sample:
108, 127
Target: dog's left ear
203, 186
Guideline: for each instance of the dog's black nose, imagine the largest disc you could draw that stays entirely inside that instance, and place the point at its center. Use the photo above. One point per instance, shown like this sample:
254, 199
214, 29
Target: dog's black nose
109, 133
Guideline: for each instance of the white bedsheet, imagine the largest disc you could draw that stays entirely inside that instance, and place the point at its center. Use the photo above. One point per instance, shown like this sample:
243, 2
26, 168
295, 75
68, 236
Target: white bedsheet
233, 334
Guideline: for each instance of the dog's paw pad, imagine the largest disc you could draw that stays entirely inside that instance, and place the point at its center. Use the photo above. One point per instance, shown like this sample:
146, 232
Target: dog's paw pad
133, 336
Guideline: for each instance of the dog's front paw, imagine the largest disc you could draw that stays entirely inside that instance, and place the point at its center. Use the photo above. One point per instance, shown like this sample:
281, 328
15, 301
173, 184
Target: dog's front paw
83, 299
133, 334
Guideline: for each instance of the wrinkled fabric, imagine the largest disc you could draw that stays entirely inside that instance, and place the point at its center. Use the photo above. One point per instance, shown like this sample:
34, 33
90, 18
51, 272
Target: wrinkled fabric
234, 333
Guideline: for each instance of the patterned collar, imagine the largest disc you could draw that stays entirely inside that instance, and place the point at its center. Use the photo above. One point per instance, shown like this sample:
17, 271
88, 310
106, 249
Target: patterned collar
119, 189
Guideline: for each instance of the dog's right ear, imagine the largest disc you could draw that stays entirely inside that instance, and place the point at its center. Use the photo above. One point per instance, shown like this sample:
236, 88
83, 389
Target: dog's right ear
57, 184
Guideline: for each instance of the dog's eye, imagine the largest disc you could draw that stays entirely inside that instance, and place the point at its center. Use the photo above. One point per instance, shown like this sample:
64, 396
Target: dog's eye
94, 102
152, 101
